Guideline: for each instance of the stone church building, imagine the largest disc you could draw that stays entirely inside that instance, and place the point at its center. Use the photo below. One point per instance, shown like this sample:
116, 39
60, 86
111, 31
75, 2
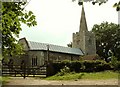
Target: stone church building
36, 54
83, 44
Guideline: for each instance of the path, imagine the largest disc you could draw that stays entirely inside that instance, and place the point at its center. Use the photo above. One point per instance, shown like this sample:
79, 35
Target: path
34, 81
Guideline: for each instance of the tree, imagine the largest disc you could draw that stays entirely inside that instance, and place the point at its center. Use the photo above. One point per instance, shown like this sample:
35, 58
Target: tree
70, 44
13, 14
100, 2
107, 39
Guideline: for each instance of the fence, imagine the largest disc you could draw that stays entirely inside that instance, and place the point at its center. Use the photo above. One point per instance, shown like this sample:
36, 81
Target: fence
23, 71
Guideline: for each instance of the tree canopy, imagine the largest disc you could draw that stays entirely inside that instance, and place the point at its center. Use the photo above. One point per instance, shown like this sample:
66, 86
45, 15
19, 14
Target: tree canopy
107, 39
100, 2
13, 14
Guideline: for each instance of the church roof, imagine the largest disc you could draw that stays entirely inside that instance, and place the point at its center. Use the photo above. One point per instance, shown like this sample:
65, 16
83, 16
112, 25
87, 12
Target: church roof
55, 48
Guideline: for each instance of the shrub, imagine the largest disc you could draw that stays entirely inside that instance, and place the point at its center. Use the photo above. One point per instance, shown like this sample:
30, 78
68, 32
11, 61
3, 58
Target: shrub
81, 66
118, 65
115, 63
75, 66
64, 71
103, 66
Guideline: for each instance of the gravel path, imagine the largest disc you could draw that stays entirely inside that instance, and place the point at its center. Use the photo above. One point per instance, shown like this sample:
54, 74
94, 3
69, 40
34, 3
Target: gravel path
34, 81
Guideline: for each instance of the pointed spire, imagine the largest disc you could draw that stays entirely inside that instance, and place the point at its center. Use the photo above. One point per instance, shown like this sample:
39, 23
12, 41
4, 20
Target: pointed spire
83, 23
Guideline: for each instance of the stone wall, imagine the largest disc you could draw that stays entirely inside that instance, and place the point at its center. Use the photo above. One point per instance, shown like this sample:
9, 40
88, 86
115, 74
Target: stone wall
90, 43
24, 44
85, 41
53, 56
40, 55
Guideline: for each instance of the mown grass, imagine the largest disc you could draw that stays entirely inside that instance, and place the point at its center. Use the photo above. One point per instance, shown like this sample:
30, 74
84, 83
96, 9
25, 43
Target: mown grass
93, 76
4, 80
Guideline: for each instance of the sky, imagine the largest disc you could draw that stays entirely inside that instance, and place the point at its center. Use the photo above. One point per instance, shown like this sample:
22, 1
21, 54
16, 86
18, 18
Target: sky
58, 19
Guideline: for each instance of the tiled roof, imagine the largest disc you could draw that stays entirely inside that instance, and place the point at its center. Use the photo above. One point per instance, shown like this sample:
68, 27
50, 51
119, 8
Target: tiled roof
54, 48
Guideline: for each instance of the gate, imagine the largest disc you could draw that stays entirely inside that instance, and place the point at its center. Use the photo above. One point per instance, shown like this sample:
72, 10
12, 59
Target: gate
23, 71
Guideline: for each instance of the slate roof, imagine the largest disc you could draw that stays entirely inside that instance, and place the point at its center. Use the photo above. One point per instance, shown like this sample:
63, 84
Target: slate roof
54, 48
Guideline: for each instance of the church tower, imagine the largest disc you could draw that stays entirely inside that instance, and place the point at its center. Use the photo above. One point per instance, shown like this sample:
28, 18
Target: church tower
84, 39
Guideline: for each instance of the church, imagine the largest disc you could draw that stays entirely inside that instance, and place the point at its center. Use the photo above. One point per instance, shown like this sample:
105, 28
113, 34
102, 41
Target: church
83, 43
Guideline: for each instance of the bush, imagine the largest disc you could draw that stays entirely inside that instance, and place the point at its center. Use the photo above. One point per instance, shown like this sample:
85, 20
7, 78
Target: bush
118, 65
81, 66
115, 63
103, 66
64, 71
75, 66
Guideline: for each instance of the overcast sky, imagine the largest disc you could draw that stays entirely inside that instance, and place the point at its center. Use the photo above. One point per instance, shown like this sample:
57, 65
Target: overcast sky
58, 19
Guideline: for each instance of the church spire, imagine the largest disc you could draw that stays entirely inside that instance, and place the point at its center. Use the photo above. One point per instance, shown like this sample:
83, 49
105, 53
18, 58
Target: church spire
83, 23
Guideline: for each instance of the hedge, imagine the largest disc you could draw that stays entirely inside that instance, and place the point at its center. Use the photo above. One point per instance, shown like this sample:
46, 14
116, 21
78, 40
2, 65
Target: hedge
82, 66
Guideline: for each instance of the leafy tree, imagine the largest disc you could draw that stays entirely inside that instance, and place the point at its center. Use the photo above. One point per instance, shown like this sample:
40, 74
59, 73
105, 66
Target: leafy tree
13, 14
107, 39
70, 44
100, 2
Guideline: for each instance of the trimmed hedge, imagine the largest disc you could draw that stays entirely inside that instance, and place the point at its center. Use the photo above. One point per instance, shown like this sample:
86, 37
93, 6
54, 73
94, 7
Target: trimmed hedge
82, 66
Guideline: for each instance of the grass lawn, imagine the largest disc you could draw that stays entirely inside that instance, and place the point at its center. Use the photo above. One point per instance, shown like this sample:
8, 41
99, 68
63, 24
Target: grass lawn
4, 79
93, 76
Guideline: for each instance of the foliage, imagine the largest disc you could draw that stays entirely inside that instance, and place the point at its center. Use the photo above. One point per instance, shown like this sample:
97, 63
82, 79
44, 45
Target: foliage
107, 39
113, 60
13, 14
118, 66
83, 75
115, 63
117, 5
81, 66
70, 44
96, 66
64, 71
100, 2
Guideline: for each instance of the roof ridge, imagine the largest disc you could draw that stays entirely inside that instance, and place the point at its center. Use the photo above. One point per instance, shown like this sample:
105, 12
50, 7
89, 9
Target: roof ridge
48, 44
